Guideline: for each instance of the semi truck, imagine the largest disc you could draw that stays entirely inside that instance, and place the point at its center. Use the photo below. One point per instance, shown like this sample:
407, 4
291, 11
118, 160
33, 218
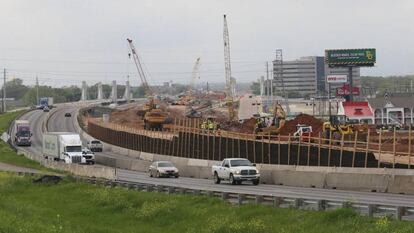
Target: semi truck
65, 146
22, 136
45, 102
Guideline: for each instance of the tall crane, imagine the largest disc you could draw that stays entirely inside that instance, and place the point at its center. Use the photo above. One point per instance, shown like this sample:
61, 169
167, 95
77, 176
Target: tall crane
153, 117
227, 67
194, 76
149, 93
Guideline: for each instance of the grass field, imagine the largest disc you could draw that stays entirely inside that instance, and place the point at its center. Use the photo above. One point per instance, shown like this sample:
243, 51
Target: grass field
79, 207
7, 154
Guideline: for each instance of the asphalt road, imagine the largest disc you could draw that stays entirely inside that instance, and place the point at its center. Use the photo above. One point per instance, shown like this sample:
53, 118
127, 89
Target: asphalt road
58, 122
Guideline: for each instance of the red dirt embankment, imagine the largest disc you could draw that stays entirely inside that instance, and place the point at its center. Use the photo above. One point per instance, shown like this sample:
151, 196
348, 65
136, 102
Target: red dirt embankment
290, 126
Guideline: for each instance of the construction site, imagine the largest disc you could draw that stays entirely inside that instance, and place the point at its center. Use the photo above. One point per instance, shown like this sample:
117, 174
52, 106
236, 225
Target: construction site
213, 124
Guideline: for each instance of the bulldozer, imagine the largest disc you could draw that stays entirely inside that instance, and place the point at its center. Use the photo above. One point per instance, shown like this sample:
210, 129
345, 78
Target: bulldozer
270, 125
341, 125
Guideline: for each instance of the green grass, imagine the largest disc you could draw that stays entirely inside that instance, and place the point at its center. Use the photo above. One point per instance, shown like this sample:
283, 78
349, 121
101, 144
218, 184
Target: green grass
79, 207
7, 154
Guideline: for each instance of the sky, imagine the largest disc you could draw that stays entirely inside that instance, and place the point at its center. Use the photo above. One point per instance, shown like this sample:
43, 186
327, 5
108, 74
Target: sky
66, 42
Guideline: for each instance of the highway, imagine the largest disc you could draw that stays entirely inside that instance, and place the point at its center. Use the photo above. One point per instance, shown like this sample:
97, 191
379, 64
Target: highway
58, 122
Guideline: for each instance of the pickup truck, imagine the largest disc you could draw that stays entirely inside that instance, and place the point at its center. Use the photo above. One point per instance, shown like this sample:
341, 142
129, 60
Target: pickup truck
236, 170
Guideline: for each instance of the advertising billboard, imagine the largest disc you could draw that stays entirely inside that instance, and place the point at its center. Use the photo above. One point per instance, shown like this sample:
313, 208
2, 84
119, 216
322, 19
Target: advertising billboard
336, 78
350, 57
344, 90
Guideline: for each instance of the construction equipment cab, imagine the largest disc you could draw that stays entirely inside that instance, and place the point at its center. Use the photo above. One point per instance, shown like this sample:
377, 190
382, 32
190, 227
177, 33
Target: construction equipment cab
336, 127
303, 132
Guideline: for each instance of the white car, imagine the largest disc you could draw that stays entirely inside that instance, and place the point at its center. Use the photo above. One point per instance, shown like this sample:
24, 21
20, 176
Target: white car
95, 145
163, 169
236, 170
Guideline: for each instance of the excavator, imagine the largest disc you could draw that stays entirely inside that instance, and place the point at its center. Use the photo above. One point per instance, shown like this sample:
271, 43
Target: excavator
153, 117
265, 125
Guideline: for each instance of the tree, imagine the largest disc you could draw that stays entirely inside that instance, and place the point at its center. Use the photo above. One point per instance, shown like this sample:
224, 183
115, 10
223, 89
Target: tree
16, 89
255, 87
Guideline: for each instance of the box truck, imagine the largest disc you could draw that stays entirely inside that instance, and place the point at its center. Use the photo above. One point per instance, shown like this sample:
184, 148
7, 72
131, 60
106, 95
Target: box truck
22, 134
64, 146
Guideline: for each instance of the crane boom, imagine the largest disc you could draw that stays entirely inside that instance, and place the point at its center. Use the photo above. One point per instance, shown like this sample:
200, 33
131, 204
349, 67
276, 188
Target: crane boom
194, 76
148, 91
227, 67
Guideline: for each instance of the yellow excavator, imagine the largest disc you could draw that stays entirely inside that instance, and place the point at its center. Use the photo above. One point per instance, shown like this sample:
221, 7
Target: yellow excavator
271, 125
154, 117
336, 127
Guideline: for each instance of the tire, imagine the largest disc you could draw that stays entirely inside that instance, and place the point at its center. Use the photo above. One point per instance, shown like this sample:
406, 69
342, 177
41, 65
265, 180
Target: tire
176, 176
238, 182
256, 182
150, 173
216, 178
158, 174
231, 179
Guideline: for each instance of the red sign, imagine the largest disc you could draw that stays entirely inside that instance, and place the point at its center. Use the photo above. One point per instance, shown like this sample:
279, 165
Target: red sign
344, 90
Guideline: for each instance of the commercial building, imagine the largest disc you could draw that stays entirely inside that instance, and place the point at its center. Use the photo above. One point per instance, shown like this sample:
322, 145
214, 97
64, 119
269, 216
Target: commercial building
393, 110
307, 76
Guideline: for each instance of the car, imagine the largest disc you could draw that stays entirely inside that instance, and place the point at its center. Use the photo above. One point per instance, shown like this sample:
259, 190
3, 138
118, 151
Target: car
163, 169
236, 170
95, 145
68, 114
88, 155
46, 109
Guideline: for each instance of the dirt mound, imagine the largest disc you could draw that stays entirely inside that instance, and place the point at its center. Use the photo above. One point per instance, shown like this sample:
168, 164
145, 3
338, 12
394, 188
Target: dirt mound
246, 127
290, 126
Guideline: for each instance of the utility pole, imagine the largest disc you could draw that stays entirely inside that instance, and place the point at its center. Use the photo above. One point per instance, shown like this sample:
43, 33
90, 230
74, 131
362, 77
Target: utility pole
4, 91
37, 91
267, 86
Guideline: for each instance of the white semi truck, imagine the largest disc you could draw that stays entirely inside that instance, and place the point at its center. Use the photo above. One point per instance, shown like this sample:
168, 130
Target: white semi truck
22, 134
64, 146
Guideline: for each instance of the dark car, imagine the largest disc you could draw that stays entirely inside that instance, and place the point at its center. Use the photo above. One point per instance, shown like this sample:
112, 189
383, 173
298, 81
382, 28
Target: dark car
68, 114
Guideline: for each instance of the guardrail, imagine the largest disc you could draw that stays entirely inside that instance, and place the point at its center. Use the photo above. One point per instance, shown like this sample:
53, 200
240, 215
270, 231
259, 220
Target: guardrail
366, 209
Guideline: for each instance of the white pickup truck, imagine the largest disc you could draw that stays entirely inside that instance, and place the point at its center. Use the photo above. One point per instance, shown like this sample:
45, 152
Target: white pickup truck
236, 170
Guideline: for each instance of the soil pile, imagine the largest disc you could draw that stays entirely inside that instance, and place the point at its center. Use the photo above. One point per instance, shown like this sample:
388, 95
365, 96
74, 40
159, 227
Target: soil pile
290, 126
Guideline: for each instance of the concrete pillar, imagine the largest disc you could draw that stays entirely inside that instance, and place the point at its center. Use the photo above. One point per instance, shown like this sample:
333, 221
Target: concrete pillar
114, 94
127, 94
84, 91
100, 92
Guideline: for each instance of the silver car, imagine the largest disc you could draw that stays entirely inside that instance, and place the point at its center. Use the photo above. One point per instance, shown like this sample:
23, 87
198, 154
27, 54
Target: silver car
163, 169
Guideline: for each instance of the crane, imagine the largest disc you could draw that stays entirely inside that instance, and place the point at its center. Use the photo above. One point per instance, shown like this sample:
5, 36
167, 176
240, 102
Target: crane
153, 117
227, 67
194, 76
147, 89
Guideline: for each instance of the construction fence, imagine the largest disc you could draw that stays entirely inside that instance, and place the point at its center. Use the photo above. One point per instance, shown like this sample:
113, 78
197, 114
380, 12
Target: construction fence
186, 139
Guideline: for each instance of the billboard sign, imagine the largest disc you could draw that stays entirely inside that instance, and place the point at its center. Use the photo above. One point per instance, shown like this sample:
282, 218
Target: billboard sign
336, 78
344, 90
350, 57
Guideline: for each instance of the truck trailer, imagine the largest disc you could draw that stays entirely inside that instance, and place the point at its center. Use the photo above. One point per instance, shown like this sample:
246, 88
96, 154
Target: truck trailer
64, 146
22, 136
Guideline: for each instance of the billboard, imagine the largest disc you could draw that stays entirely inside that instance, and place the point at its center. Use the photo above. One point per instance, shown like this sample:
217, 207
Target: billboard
336, 78
350, 57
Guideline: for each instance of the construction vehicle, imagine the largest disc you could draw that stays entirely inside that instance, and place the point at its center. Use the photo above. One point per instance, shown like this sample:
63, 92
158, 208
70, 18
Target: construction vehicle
340, 125
336, 127
303, 133
271, 125
153, 117
210, 123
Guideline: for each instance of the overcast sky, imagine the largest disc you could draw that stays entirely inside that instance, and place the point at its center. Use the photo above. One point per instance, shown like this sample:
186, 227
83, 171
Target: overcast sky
66, 41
